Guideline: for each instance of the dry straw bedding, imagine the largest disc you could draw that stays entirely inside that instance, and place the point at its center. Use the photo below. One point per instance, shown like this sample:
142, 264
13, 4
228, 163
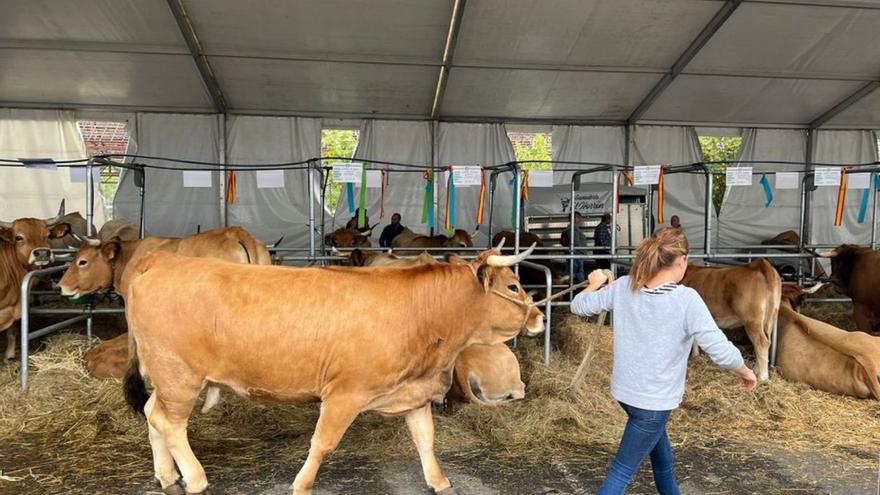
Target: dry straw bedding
81, 427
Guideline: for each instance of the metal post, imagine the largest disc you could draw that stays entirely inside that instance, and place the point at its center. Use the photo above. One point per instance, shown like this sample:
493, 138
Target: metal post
774, 341
311, 211
802, 228
571, 205
324, 180
492, 181
807, 230
707, 242
517, 203
90, 218
24, 296
142, 225
434, 188
873, 189
615, 182
548, 279
221, 153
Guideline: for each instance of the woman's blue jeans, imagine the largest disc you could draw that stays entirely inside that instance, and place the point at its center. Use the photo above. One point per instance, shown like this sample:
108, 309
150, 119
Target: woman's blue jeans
645, 435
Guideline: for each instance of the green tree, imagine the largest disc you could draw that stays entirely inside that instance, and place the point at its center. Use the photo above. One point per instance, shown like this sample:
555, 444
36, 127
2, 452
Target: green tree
724, 151
339, 143
538, 150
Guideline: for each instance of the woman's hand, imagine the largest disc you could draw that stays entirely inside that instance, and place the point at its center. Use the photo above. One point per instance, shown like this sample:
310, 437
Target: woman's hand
597, 278
748, 378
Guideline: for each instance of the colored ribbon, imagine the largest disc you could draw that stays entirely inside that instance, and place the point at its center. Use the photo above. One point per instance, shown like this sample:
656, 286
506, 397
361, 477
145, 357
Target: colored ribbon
231, 187
382, 197
514, 184
362, 199
660, 198
482, 203
524, 194
428, 203
349, 195
450, 202
768, 191
863, 206
841, 199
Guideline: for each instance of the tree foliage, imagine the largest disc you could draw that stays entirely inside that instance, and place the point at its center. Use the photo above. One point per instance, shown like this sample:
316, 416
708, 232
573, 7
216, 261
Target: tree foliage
724, 151
339, 143
539, 149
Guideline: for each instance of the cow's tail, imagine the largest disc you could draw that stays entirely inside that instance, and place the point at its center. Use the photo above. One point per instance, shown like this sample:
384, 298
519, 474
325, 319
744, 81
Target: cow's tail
134, 387
774, 285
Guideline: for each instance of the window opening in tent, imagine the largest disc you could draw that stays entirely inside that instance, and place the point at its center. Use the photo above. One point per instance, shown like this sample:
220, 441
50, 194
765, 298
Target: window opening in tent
722, 149
105, 138
339, 143
532, 146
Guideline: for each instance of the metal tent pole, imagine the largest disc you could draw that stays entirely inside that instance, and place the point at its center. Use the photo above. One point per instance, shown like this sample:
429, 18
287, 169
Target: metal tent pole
90, 218
311, 183
615, 201
707, 225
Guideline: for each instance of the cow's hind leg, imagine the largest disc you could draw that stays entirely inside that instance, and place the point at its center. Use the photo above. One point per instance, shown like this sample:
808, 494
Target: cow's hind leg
7, 318
169, 417
336, 417
761, 342
163, 462
421, 427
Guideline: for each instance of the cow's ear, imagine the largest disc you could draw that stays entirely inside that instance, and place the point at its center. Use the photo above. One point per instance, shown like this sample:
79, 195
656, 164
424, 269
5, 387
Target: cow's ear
110, 250
59, 230
453, 259
484, 275
357, 258
6, 235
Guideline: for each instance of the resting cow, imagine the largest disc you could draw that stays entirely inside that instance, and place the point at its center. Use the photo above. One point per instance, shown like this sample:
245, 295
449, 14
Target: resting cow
409, 239
124, 230
825, 357
746, 296
348, 238
237, 325
24, 246
856, 270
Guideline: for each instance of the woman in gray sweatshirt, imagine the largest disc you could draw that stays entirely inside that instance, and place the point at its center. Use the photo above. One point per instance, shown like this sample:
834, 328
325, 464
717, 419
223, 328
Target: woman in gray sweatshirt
656, 322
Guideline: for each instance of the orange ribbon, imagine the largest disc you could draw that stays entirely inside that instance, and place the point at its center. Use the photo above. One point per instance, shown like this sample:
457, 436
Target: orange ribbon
660, 199
231, 187
481, 205
841, 199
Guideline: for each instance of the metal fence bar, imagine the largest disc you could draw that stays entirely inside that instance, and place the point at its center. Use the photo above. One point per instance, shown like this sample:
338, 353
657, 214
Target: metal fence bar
25, 316
547, 308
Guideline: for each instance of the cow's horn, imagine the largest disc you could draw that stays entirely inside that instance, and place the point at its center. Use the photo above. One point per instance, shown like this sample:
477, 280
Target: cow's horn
826, 254
57, 218
501, 244
500, 260
275, 245
337, 252
89, 241
813, 289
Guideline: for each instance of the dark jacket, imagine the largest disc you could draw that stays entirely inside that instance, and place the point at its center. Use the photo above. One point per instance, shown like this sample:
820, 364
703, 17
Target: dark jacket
389, 233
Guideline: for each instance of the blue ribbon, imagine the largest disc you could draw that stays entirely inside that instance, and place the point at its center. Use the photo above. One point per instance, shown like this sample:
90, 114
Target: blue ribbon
514, 185
429, 187
349, 192
863, 207
877, 181
768, 192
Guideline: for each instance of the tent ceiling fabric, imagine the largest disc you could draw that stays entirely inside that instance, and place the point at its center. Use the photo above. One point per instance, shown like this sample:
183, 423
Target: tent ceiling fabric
771, 62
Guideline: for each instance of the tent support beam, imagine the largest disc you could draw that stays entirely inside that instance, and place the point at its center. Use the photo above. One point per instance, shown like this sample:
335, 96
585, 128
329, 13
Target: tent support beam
195, 49
689, 53
844, 104
448, 52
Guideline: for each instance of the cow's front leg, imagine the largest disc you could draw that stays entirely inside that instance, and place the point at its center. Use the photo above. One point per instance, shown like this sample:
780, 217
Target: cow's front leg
10, 345
421, 427
336, 416
863, 318
7, 318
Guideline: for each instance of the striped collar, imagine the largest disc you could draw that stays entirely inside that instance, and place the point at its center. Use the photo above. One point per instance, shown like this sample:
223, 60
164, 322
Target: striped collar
662, 289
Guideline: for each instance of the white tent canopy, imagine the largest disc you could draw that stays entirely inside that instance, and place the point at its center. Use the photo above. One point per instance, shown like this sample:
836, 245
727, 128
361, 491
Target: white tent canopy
756, 62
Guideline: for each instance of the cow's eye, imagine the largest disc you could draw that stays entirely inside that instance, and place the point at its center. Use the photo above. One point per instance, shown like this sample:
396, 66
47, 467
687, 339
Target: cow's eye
19, 238
82, 263
513, 288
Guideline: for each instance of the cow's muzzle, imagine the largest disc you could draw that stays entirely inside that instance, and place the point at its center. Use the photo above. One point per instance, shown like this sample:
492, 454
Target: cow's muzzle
41, 257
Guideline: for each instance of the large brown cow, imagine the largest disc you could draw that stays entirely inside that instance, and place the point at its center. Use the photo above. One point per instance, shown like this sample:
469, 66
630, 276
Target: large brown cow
77, 227
856, 270
24, 246
409, 239
746, 296
348, 238
825, 357
527, 275
237, 325
124, 230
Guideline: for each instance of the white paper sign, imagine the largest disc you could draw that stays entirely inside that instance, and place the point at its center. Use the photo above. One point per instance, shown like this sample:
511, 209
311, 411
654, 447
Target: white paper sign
858, 181
348, 172
374, 179
39, 163
739, 176
540, 178
788, 180
78, 174
270, 179
827, 176
465, 175
645, 175
196, 178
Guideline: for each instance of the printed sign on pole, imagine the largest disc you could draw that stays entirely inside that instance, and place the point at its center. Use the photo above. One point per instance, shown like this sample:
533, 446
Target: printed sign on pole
739, 176
645, 175
348, 172
467, 175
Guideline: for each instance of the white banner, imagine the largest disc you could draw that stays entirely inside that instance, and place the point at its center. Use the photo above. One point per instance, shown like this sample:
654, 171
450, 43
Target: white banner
374, 179
270, 179
78, 174
467, 175
788, 180
197, 178
541, 178
646, 175
739, 176
348, 172
827, 176
858, 181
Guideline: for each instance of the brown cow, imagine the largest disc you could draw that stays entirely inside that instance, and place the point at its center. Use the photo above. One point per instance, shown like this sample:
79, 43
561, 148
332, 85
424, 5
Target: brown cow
530, 276
386, 258
77, 227
409, 239
124, 230
745, 296
791, 238
24, 246
237, 325
487, 375
348, 238
825, 357
856, 270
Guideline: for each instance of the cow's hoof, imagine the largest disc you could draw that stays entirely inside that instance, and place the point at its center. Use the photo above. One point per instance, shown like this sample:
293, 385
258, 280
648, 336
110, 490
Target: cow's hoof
448, 491
175, 489
9, 360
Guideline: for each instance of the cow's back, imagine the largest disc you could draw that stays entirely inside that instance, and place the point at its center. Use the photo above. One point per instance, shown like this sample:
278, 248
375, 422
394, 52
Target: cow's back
862, 286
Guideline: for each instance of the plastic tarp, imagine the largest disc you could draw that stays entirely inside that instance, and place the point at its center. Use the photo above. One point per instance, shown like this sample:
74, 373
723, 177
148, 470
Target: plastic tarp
35, 192
684, 192
587, 144
475, 144
841, 147
281, 207
391, 141
745, 218
171, 208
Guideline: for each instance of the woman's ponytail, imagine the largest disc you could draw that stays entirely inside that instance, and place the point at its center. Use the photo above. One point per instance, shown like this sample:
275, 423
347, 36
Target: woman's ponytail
656, 253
